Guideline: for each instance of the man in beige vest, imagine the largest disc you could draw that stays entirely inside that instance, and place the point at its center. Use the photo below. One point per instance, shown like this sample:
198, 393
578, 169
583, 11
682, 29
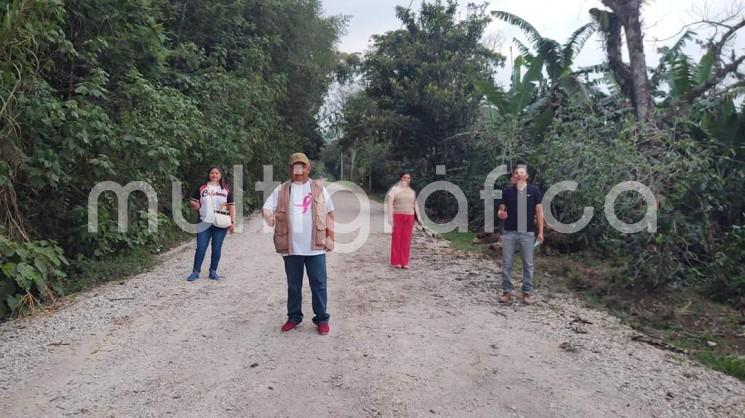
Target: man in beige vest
302, 214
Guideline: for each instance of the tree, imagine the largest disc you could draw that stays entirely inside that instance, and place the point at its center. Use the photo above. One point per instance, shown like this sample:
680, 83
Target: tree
421, 81
632, 77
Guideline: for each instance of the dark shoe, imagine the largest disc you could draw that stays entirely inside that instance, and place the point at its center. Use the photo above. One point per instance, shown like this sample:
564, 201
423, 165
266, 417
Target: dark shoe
288, 326
506, 297
193, 276
323, 328
214, 275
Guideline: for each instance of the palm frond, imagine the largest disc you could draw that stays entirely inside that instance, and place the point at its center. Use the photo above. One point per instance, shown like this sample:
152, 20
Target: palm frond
705, 68
592, 69
668, 53
493, 94
549, 51
532, 33
516, 78
611, 84
576, 42
524, 50
680, 76
681, 42
527, 89
574, 89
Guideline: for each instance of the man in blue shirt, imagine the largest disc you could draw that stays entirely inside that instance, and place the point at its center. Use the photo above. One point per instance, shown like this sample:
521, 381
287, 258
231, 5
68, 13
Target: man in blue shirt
521, 209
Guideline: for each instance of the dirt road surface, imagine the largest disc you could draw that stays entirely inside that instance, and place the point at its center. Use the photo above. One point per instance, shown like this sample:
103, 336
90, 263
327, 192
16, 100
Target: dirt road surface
430, 341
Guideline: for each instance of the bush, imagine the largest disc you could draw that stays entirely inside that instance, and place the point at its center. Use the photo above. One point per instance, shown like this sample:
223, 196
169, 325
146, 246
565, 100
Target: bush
727, 272
30, 273
695, 190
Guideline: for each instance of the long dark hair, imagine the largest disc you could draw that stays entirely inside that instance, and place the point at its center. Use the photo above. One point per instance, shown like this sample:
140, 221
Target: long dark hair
223, 182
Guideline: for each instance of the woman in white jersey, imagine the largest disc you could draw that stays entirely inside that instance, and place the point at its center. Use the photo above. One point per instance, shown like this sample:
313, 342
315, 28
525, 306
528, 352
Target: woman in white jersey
213, 195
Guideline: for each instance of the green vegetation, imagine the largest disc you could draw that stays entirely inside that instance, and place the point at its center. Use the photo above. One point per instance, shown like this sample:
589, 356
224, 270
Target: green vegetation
141, 90
463, 241
150, 90
428, 98
731, 365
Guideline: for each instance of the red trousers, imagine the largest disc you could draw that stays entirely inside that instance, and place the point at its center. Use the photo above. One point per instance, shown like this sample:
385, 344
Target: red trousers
401, 239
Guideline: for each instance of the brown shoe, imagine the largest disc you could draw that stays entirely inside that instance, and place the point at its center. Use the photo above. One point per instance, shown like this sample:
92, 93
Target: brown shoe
528, 299
505, 298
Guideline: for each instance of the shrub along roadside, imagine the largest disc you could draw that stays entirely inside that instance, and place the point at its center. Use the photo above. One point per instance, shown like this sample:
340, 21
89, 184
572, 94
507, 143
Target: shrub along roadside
31, 273
34, 274
91, 272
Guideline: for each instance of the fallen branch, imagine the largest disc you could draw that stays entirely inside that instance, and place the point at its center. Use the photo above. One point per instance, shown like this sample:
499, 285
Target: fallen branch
579, 319
657, 343
500, 313
428, 232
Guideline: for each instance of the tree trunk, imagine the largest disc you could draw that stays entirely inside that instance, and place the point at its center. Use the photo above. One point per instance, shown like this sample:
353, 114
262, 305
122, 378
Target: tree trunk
611, 27
640, 80
351, 164
629, 15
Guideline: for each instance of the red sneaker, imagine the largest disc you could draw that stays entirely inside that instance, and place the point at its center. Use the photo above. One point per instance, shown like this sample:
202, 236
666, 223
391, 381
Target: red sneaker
323, 328
288, 326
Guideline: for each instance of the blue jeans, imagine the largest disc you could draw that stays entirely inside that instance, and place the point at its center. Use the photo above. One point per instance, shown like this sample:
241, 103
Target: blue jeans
217, 235
511, 240
315, 265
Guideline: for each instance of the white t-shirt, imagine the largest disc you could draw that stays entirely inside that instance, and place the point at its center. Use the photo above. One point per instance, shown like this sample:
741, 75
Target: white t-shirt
300, 215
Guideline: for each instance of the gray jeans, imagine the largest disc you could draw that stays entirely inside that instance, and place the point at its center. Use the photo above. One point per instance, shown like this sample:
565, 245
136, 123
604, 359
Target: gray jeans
510, 241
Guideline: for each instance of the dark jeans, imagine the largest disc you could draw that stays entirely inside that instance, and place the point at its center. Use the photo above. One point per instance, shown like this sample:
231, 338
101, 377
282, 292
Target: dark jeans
315, 265
217, 235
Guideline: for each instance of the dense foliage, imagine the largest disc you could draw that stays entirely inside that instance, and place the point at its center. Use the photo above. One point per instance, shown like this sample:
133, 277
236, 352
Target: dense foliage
567, 123
141, 90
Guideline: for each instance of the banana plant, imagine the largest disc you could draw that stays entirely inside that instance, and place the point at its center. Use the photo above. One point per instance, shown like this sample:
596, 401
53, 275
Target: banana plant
523, 87
715, 116
558, 59
678, 71
530, 94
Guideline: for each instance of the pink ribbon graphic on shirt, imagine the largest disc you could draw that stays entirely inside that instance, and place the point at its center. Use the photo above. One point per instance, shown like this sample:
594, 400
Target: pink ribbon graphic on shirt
306, 202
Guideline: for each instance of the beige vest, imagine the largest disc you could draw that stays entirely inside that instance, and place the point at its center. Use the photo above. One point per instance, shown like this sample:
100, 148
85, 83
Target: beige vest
282, 228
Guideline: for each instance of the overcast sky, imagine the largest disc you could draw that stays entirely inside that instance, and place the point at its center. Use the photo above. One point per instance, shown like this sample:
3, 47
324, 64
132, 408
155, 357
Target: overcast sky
662, 19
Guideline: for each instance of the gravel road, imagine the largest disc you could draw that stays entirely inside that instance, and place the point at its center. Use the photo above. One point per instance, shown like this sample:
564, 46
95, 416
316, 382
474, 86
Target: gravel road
430, 341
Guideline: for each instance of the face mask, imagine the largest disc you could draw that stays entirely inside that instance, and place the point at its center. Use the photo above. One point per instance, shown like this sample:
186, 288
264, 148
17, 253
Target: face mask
298, 169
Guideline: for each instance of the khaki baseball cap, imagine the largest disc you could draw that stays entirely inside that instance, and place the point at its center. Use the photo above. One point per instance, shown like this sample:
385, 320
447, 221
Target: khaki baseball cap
299, 157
